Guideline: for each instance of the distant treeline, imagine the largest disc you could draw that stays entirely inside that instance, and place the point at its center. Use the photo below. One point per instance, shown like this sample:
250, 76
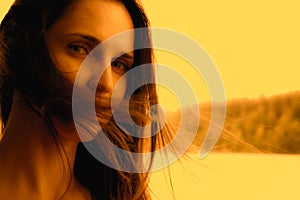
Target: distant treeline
269, 125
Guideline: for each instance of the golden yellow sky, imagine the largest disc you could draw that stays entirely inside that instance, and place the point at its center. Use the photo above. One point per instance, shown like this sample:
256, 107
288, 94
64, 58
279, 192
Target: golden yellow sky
255, 44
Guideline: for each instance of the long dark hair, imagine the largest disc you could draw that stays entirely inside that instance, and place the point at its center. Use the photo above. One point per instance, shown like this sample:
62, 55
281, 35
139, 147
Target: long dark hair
26, 68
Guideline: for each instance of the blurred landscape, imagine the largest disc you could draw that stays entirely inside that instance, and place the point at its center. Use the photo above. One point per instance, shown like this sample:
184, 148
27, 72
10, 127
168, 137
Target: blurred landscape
261, 125
265, 124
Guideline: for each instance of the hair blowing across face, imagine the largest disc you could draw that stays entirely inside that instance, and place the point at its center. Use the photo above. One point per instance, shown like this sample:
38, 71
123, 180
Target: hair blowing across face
26, 68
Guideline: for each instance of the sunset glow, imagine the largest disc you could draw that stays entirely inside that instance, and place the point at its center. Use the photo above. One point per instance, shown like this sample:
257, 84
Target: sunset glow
255, 47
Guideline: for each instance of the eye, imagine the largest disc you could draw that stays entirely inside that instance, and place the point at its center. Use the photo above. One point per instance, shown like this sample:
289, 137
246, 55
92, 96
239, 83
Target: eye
78, 50
119, 67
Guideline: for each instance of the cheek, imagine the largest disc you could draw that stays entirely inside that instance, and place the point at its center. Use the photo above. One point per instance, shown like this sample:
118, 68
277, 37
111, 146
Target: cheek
66, 66
120, 90
118, 94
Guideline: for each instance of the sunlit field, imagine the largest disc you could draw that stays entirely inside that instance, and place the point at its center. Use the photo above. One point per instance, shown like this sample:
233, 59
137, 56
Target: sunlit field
256, 158
232, 177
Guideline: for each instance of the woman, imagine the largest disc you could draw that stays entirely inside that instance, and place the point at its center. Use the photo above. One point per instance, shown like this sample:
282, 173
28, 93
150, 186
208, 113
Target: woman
43, 44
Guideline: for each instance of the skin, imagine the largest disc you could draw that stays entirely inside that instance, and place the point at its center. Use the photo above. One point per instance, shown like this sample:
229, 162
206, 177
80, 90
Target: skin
27, 147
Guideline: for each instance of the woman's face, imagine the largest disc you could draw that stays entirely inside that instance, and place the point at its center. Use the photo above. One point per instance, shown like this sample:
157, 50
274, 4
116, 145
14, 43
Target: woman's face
80, 30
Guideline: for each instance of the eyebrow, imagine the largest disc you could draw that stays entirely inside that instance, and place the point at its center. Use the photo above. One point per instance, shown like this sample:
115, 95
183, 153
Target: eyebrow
128, 56
87, 37
96, 42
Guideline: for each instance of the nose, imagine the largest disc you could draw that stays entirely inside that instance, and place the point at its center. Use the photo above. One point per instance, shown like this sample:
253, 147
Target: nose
106, 83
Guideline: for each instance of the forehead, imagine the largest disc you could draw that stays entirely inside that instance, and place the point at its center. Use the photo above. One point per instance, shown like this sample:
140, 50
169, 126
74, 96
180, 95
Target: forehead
100, 19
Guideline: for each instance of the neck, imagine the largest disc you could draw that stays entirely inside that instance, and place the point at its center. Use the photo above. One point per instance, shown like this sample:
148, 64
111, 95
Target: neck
33, 165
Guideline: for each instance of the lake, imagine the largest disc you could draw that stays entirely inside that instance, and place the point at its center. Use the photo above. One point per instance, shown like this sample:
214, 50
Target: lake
230, 176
